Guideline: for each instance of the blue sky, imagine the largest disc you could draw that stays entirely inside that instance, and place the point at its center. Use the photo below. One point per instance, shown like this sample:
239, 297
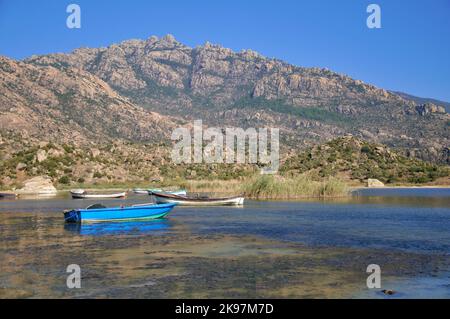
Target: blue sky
410, 53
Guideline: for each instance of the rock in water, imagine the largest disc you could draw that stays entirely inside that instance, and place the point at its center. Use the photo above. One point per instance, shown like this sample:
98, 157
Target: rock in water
371, 182
38, 185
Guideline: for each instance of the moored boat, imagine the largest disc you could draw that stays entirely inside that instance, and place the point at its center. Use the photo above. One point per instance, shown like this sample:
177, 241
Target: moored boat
180, 192
8, 195
198, 201
82, 194
100, 213
140, 191
150, 191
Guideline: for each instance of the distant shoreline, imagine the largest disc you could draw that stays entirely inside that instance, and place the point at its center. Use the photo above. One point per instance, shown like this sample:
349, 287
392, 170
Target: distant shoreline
350, 192
127, 188
401, 187
264, 187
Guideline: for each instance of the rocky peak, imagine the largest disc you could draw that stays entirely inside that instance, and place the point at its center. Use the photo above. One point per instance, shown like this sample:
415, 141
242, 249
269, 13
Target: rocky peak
429, 108
152, 39
169, 38
167, 42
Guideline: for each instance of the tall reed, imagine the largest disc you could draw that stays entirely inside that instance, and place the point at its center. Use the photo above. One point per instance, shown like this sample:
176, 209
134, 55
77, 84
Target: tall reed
277, 187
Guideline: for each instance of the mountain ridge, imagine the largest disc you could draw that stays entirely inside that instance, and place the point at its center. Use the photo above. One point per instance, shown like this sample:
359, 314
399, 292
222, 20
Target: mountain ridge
424, 100
104, 115
246, 89
404, 95
179, 84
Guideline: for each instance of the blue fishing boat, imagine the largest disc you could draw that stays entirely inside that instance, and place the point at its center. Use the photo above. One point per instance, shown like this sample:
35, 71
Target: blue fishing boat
100, 213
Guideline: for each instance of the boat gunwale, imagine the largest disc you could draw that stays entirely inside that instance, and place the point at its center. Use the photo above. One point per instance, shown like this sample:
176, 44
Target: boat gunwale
125, 208
148, 212
194, 199
87, 195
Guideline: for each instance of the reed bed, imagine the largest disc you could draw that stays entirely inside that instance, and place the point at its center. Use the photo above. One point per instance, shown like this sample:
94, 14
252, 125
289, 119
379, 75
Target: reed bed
256, 187
302, 186
271, 187
216, 187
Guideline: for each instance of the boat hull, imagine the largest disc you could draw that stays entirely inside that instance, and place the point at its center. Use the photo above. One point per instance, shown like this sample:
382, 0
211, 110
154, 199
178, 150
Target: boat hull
8, 195
232, 201
138, 191
178, 193
118, 214
86, 196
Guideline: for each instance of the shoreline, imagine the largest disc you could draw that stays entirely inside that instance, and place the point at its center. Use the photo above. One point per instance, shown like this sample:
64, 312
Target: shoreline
260, 187
400, 187
351, 190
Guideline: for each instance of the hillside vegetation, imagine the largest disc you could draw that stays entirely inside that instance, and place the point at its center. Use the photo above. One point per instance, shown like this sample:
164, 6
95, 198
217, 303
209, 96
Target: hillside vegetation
359, 160
122, 163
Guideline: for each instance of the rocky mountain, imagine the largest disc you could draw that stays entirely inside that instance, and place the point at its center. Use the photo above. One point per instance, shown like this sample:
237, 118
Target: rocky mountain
245, 89
424, 100
71, 105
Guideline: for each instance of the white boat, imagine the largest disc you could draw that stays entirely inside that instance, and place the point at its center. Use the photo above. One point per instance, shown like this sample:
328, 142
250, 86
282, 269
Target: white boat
82, 194
140, 191
180, 192
162, 198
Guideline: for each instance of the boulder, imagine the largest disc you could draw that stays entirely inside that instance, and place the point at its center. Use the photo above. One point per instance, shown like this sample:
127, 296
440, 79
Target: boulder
372, 182
41, 155
43, 144
21, 166
38, 185
95, 152
55, 152
429, 108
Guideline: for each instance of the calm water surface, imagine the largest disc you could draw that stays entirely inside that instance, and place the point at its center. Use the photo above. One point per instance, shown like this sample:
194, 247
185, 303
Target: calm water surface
307, 249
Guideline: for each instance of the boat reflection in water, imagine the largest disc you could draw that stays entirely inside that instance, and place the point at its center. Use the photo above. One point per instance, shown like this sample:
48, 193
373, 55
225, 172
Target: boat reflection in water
157, 227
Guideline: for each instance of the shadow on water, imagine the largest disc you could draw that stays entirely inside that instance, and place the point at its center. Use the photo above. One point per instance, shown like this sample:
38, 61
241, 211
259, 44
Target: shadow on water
159, 227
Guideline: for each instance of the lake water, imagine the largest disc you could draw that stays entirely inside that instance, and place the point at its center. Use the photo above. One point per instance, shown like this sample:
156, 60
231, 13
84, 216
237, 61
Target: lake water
287, 249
